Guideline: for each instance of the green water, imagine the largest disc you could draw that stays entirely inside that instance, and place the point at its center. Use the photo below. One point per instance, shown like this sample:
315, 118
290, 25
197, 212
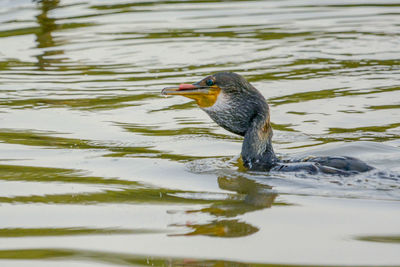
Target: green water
98, 169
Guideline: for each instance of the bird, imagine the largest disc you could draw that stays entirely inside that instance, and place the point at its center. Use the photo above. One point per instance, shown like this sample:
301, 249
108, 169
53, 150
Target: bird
237, 106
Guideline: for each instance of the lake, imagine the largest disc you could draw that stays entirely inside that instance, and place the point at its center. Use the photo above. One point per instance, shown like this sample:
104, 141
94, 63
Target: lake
97, 168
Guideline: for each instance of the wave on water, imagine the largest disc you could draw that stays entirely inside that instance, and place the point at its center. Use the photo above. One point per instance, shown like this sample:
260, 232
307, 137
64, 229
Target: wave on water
379, 183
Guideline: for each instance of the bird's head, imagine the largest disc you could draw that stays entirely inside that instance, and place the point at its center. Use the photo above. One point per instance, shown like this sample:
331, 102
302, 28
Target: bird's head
228, 98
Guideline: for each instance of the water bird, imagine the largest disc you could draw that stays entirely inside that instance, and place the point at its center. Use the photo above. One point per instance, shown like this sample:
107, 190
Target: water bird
237, 106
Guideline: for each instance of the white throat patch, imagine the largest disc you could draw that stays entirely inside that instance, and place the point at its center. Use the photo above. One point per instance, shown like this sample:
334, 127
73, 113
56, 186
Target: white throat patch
222, 103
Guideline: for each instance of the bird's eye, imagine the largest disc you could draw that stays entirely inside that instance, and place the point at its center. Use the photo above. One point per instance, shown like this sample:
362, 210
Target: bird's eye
209, 82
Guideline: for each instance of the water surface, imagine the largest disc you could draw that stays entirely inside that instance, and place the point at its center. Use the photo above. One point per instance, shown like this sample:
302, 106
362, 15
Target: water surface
97, 168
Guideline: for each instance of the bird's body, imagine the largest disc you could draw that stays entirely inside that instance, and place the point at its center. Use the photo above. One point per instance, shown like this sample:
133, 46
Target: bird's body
237, 106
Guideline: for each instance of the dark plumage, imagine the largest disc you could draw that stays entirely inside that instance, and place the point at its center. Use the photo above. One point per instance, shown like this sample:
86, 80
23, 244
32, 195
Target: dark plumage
237, 106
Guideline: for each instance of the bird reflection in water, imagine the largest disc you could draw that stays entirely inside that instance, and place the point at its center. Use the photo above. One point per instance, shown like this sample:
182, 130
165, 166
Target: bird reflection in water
253, 196
44, 35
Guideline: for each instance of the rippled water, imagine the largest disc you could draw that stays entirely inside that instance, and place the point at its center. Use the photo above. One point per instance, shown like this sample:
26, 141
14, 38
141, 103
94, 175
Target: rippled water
96, 168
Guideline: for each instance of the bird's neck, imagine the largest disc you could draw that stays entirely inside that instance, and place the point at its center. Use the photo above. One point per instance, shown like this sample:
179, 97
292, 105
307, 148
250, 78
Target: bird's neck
257, 151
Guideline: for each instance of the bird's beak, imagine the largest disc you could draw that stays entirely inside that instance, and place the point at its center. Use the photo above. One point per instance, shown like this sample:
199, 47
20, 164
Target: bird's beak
186, 89
205, 96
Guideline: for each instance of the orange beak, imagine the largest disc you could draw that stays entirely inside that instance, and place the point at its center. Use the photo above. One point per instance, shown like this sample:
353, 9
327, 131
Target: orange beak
205, 96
